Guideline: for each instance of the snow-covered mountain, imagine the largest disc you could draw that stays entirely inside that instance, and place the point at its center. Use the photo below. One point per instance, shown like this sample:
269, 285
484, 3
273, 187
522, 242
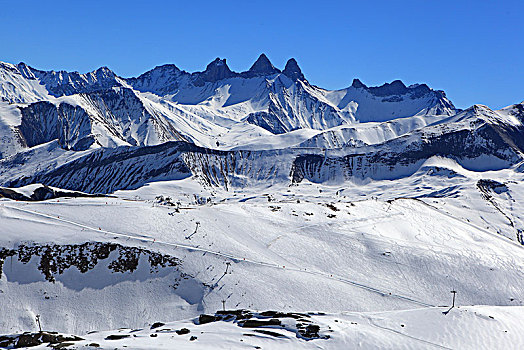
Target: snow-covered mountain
126, 203
478, 138
215, 108
282, 101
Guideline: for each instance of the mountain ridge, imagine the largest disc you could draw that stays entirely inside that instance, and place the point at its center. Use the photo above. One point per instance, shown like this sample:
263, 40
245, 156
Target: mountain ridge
200, 107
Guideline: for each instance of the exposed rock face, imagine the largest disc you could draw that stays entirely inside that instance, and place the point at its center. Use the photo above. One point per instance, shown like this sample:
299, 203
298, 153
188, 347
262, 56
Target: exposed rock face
261, 67
293, 71
269, 121
42, 193
106, 170
396, 87
25, 340
401, 157
118, 111
215, 71
357, 84
296, 108
161, 80
300, 323
44, 121
55, 259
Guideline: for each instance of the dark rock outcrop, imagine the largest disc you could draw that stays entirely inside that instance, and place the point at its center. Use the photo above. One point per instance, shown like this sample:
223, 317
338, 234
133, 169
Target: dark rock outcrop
55, 259
27, 339
293, 71
215, 71
261, 67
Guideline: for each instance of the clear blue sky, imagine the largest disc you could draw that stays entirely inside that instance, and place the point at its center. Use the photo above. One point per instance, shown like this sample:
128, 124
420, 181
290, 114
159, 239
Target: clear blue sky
474, 50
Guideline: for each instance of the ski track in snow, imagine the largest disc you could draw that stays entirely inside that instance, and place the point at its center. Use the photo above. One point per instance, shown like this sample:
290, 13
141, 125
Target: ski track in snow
374, 324
504, 239
235, 259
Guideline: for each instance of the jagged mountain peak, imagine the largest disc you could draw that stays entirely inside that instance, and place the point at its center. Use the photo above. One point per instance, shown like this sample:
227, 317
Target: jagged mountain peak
167, 67
217, 62
103, 73
396, 87
262, 66
357, 84
161, 70
60, 83
293, 71
104, 70
216, 70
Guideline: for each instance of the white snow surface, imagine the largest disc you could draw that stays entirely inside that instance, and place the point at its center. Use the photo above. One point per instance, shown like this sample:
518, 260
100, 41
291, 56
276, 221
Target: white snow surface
469, 327
369, 247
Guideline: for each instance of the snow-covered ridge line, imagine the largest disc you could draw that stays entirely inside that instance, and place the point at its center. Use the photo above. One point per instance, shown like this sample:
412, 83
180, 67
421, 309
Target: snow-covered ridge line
215, 108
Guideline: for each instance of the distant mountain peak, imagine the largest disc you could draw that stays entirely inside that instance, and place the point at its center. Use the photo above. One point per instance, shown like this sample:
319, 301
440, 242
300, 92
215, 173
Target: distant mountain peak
357, 84
217, 70
262, 66
104, 72
104, 69
293, 71
168, 66
217, 62
396, 87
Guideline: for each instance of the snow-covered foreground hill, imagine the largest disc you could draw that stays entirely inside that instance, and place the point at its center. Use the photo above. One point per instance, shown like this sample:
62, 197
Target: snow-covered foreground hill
173, 250
472, 327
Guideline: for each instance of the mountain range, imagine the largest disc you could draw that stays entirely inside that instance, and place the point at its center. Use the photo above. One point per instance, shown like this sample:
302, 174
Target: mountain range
221, 118
146, 204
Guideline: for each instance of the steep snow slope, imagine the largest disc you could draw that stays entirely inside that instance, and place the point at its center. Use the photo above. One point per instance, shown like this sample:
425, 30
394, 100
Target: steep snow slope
11, 141
17, 88
369, 133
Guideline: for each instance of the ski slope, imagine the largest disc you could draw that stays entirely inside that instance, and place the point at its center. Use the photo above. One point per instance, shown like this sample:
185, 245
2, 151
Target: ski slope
299, 248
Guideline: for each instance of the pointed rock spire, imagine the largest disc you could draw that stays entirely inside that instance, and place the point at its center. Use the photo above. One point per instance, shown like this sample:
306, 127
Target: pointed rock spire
262, 66
26, 71
293, 71
357, 84
217, 70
